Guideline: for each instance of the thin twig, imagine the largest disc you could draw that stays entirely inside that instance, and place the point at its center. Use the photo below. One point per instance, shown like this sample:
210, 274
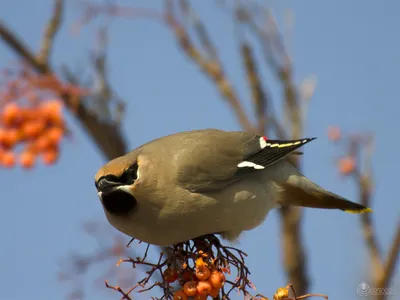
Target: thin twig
50, 31
291, 287
118, 289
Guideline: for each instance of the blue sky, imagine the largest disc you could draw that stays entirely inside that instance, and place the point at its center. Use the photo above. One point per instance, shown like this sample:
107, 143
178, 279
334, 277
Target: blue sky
351, 46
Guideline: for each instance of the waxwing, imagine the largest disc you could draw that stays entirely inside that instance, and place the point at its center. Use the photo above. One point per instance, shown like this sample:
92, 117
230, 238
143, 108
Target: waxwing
194, 183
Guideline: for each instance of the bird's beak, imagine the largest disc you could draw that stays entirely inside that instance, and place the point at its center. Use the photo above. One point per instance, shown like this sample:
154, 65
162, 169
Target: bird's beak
105, 187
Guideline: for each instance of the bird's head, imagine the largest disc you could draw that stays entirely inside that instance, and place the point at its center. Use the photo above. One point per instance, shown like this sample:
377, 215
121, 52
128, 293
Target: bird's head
115, 184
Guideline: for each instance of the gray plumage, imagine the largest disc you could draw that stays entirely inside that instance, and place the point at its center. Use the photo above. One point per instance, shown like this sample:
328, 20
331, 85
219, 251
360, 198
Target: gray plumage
189, 184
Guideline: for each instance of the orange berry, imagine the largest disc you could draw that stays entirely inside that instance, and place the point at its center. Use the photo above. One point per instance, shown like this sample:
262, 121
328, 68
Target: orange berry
50, 156
170, 275
214, 292
281, 294
202, 272
200, 262
27, 159
334, 133
52, 110
30, 114
33, 129
11, 112
347, 165
180, 295
204, 288
190, 288
217, 279
10, 137
42, 143
55, 135
8, 159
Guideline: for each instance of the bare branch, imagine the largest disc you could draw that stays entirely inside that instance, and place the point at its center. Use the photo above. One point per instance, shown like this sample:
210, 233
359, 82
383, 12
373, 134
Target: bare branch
368, 228
391, 262
364, 182
294, 256
212, 68
50, 31
264, 37
200, 29
259, 96
106, 135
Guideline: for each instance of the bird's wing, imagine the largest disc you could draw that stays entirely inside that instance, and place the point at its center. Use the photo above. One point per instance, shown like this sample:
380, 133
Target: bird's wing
219, 160
269, 153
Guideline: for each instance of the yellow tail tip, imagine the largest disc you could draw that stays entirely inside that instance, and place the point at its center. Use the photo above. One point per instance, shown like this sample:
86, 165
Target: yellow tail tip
359, 211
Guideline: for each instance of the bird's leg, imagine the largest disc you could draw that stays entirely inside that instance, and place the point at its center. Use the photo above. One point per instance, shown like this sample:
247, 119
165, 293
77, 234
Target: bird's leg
205, 242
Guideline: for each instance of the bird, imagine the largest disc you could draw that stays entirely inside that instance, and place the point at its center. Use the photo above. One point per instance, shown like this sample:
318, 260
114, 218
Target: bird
195, 183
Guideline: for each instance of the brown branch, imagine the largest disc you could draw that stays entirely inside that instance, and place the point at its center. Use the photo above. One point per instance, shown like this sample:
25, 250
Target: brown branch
211, 67
105, 134
294, 256
266, 41
382, 272
391, 262
363, 179
291, 103
22, 50
201, 31
50, 31
259, 96
364, 183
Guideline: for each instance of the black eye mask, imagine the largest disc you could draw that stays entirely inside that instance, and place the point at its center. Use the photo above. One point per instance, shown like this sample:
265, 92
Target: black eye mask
128, 177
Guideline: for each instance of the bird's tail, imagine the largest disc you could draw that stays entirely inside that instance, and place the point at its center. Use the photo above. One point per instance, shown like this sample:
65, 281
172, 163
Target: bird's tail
300, 191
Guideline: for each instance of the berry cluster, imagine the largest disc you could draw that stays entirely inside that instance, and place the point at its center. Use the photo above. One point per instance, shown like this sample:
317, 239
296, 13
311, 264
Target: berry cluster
195, 269
31, 116
200, 269
202, 282
38, 130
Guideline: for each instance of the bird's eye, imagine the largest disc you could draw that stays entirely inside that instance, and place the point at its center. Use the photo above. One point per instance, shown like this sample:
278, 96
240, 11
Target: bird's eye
130, 175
